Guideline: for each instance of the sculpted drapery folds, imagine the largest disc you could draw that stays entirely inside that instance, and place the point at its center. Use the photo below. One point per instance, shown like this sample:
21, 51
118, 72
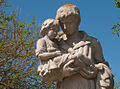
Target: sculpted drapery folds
75, 60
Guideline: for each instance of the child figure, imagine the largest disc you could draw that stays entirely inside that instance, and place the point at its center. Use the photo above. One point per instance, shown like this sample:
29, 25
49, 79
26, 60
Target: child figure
47, 47
48, 50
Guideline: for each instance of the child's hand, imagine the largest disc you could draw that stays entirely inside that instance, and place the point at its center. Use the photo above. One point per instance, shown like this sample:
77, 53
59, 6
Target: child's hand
70, 50
58, 53
51, 49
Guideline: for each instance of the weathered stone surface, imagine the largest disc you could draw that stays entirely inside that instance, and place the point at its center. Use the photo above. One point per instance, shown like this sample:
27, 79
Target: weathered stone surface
71, 57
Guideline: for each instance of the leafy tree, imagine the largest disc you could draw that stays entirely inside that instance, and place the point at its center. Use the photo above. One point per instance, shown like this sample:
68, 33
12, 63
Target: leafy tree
116, 27
18, 64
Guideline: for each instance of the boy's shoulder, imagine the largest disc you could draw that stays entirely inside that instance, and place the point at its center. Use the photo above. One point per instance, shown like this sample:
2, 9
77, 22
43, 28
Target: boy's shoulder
90, 38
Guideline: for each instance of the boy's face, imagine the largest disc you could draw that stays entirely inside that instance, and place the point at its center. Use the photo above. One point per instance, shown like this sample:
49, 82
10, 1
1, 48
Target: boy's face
52, 33
69, 25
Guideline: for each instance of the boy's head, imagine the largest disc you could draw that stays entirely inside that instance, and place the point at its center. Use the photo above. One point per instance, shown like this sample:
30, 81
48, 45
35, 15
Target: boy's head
49, 24
68, 11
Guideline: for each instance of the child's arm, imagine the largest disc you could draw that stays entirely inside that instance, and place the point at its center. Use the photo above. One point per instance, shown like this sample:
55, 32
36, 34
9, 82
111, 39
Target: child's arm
41, 51
48, 55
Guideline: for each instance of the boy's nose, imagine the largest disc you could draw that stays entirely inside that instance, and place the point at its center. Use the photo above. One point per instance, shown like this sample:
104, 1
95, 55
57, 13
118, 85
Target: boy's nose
65, 26
55, 33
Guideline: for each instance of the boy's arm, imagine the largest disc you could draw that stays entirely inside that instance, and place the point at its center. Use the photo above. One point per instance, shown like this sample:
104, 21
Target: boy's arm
99, 58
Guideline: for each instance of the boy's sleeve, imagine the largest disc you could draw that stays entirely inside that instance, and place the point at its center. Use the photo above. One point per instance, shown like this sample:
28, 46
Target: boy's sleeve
98, 52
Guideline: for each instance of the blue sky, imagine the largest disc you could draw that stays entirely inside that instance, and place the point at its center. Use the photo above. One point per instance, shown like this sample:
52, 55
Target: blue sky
97, 16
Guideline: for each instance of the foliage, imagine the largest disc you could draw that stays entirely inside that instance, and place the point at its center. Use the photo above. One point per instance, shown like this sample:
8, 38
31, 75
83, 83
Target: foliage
18, 64
117, 83
117, 3
116, 27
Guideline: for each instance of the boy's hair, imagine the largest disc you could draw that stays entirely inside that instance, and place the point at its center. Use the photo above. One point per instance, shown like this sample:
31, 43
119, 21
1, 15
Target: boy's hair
47, 24
68, 10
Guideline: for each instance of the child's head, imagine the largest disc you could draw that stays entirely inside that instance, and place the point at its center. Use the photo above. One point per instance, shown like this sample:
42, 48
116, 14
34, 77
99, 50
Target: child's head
50, 25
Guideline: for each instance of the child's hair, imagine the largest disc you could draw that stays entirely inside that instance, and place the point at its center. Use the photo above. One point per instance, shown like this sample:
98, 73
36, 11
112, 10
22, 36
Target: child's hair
47, 24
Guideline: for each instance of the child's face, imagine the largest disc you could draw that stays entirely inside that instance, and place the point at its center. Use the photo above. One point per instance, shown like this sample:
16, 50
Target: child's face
52, 33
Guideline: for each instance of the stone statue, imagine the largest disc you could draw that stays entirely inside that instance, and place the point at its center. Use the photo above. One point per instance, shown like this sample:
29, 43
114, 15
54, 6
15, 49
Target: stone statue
70, 57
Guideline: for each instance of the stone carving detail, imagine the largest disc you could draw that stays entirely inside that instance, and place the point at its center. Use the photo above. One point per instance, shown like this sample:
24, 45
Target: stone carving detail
71, 57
